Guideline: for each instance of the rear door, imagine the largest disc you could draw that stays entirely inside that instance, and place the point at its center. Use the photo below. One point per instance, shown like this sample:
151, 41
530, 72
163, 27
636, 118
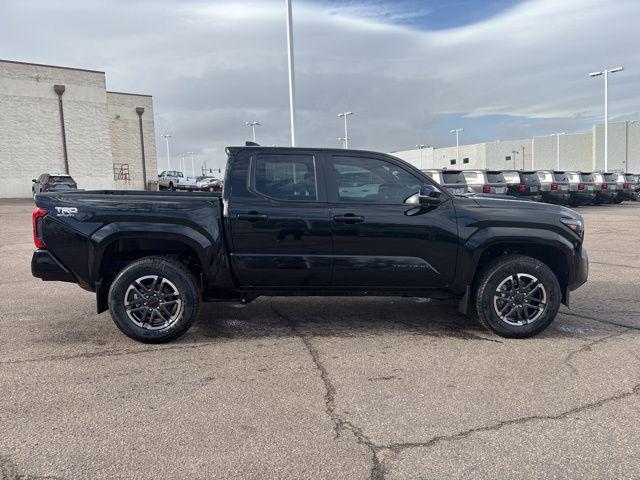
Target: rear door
278, 219
380, 240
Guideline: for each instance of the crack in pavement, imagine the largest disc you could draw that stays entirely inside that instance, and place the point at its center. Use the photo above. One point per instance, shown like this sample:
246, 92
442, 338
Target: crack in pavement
397, 447
339, 423
608, 322
585, 348
616, 265
9, 471
378, 468
106, 353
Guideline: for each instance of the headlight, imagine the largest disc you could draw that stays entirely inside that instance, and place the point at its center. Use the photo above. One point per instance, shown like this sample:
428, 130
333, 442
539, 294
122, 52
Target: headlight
574, 224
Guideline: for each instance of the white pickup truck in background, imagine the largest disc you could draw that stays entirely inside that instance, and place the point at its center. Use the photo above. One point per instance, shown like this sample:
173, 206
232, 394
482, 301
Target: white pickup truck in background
175, 180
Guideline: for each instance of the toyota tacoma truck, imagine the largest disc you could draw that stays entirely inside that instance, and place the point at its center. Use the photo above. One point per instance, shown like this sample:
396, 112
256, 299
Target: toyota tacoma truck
304, 221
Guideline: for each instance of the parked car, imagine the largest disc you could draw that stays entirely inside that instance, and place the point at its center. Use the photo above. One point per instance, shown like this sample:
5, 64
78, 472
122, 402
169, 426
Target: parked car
277, 230
606, 185
452, 180
554, 187
522, 184
170, 179
581, 187
52, 182
481, 181
210, 184
625, 187
637, 178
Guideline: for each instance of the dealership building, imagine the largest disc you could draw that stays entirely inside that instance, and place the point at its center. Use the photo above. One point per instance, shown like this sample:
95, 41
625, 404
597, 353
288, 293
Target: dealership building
571, 151
63, 120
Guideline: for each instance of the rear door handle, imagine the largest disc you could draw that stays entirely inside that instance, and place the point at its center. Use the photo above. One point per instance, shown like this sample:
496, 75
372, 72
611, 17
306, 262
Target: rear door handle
252, 217
348, 218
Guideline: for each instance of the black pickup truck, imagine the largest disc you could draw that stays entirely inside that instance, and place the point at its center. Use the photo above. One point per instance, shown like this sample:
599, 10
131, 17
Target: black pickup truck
303, 221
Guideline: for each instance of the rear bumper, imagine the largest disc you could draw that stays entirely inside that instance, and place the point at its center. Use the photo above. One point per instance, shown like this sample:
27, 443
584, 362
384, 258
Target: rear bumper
583, 198
581, 269
45, 266
559, 198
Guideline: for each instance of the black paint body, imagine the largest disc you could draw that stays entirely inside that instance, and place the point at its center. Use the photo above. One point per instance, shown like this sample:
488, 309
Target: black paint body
246, 244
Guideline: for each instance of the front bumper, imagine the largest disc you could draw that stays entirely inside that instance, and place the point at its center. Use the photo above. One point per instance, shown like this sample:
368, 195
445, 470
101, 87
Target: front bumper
581, 269
48, 268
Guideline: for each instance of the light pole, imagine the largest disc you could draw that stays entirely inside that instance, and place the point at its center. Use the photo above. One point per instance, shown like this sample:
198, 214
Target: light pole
292, 76
457, 132
193, 168
167, 136
253, 126
558, 149
346, 132
606, 109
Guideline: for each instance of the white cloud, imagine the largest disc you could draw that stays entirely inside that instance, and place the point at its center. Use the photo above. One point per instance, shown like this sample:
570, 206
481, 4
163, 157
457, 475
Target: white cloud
213, 65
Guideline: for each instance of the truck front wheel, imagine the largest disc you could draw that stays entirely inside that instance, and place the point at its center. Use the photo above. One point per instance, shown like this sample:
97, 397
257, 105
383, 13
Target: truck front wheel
517, 296
154, 300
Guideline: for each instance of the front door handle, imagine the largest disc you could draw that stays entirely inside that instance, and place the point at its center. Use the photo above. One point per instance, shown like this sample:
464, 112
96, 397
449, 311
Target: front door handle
348, 218
252, 217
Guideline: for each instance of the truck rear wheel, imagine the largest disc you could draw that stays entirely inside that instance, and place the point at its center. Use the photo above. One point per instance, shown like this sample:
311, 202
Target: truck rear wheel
517, 296
154, 300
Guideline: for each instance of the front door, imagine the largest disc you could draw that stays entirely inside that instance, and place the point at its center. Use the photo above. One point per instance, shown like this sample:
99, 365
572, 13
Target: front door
279, 220
381, 239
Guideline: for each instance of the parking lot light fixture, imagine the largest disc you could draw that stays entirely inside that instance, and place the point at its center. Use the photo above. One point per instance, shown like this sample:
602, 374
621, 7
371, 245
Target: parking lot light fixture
457, 132
167, 136
292, 74
253, 126
346, 133
606, 73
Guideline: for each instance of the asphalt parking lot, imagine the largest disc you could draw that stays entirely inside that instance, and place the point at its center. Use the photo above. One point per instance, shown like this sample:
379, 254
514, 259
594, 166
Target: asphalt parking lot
323, 387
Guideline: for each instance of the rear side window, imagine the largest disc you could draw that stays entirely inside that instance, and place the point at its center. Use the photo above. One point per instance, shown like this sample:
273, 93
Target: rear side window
286, 177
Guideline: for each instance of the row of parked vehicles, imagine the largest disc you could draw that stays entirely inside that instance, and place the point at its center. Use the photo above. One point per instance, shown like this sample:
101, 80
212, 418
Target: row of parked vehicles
573, 188
175, 180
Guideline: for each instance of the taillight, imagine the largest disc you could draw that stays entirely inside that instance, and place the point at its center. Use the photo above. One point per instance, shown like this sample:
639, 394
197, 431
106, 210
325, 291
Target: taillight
38, 214
581, 186
625, 185
486, 189
73, 184
605, 186
522, 188
554, 186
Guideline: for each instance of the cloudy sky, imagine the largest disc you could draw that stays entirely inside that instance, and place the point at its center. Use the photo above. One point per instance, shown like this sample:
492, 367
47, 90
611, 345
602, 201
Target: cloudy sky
410, 70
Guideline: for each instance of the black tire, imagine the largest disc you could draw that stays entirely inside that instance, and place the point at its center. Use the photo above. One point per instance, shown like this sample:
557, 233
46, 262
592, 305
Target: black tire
618, 201
171, 187
178, 276
498, 271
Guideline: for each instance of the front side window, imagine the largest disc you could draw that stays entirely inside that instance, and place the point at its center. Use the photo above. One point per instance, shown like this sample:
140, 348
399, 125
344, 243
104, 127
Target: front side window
286, 177
369, 180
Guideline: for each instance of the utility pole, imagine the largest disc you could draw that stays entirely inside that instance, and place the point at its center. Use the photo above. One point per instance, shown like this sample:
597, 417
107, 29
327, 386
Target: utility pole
253, 126
167, 136
346, 132
606, 73
457, 132
292, 75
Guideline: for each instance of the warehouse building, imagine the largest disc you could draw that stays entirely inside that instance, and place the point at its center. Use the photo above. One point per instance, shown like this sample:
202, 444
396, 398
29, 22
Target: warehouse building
573, 151
63, 120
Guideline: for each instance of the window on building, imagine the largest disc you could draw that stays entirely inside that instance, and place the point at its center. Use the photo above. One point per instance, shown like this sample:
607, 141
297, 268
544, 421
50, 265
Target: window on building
452, 161
465, 160
507, 158
286, 177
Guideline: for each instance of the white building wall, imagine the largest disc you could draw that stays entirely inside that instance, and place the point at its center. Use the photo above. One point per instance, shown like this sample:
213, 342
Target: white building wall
475, 153
124, 131
624, 146
576, 152
510, 154
421, 158
100, 128
30, 139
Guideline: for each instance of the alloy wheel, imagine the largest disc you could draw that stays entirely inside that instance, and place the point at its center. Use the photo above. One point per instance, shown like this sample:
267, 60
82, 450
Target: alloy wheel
520, 299
153, 302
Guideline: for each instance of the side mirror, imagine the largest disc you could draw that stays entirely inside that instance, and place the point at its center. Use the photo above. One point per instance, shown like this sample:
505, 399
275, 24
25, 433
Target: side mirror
33, 180
429, 195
